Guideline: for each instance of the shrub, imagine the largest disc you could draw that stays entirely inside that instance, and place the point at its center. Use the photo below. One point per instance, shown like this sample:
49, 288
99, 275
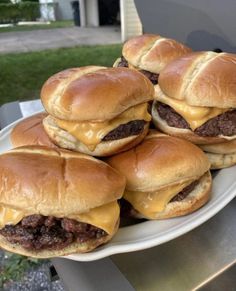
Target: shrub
9, 13
26, 11
29, 10
5, 1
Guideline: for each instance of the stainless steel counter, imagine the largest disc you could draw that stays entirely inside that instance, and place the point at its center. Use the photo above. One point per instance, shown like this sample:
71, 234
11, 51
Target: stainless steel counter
186, 263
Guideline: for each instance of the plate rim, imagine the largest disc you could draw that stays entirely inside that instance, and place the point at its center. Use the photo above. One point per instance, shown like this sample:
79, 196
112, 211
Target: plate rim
193, 220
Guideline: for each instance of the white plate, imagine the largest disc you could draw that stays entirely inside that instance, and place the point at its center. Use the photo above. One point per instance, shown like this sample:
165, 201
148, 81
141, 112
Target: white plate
152, 233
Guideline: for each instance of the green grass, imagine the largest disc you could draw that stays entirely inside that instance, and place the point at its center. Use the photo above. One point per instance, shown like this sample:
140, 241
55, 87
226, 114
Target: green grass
22, 75
54, 24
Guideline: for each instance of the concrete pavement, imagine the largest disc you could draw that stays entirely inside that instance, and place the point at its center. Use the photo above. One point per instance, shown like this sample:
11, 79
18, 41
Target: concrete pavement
35, 40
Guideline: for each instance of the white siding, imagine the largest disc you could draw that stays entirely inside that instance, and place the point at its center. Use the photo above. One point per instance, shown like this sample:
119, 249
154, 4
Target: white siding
64, 10
89, 13
130, 22
92, 13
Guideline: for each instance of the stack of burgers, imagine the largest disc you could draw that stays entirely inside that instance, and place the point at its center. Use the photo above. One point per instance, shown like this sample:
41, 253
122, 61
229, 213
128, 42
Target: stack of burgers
91, 158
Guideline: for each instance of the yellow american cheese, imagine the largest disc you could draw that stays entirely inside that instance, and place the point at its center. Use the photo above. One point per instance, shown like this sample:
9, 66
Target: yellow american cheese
91, 133
10, 216
153, 202
194, 115
104, 217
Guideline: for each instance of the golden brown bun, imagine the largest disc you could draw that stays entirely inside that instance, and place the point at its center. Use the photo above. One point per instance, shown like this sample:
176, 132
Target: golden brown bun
71, 249
184, 133
196, 199
53, 182
221, 155
30, 131
227, 147
152, 52
202, 79
94, 93
65, 140
220, 161
160, 161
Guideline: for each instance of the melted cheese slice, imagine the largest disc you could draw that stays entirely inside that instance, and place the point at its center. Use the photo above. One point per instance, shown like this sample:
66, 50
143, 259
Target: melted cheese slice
149, 204
91, 133
104, 217
194, 115
10, 216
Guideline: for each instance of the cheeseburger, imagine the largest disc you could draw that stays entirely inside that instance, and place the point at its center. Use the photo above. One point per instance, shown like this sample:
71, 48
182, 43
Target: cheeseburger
95, 110
196, 98
166, 177
55, 202
30, 131
150, 53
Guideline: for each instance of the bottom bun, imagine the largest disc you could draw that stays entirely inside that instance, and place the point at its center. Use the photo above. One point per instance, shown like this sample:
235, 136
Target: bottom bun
221, 155
228, 147
220, 161
71, 249
65, 140
117, 61
183, 132
195, 199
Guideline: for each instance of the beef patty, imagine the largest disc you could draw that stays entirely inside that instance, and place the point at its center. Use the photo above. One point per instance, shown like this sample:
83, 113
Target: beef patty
123, 62
185, 192
223, 124
151, 76
37, 232
127, 209
133, 127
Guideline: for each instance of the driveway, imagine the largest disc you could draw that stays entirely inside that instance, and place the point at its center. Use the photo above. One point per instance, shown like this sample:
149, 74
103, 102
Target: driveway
25, 41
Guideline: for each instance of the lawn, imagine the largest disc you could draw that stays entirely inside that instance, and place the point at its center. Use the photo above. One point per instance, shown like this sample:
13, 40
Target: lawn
53, 24
22, 75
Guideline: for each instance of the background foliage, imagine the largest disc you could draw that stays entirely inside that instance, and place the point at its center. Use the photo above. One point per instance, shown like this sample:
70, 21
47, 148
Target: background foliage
22, 11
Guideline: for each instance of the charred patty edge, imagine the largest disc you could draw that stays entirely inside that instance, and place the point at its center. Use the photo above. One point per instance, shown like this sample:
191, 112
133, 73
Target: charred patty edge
134, 127
153, 77
222, 124
37, 232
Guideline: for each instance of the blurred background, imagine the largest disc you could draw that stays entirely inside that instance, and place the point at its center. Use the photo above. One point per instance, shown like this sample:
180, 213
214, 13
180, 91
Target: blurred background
40, 38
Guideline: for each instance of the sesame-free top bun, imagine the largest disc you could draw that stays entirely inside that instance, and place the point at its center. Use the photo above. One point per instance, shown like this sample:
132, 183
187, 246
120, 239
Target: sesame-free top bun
201, 79
56, 182
221, 155
30, 131
94, 93
152, 52
160, 161
52, 182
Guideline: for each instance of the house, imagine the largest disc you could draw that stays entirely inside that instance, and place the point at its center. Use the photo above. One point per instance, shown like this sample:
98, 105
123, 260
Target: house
96, 13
